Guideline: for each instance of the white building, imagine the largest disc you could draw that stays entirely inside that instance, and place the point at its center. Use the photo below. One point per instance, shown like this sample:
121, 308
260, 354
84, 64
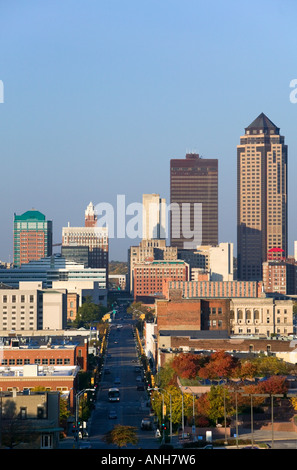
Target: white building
153, 217
83, 288
30, 307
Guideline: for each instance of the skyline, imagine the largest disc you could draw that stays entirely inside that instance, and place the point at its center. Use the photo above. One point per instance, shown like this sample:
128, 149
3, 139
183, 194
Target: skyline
98, 99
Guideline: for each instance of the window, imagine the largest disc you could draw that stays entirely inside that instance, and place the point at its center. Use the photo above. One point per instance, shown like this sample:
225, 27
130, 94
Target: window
23, 412
46, 441
40, 412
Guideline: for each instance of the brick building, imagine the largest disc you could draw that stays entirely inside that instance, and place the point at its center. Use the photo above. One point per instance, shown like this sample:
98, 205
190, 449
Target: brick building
218, 289
55, 378
37, 416
44, 351
279, 276
149, 276
192, 314
171, 342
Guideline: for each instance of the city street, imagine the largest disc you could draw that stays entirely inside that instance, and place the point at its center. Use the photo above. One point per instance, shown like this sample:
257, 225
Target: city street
121, 360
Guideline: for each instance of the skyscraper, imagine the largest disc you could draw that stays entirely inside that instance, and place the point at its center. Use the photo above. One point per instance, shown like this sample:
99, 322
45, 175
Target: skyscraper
94, 238
153, 217
261, 196
193, 201
32, 237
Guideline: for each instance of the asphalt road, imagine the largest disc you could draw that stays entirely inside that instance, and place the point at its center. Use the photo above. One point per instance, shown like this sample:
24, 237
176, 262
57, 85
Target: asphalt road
121, 359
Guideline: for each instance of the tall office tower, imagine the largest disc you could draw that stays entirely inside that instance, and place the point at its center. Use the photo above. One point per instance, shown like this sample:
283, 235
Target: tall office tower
90, 216
193, 201
261, 196
153, 217
32, 237
92, 237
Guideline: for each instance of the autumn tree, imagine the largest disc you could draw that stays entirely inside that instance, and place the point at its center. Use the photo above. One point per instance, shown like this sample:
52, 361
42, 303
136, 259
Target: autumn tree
247, 369
187, 366
220, 365
122, 435
274, 385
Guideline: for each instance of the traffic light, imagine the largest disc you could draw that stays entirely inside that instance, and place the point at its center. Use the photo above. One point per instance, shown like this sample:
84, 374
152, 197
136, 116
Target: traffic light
164, 427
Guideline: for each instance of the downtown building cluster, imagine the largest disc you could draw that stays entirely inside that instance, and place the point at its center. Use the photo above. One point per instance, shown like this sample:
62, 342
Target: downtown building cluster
201, 298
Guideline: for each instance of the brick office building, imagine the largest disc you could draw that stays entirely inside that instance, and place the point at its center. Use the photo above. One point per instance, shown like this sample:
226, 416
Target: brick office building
24, 378
177, 313
43, 351
149, 276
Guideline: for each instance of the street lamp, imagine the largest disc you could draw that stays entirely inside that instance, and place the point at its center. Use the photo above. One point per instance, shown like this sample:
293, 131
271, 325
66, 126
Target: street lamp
170, 398
266, 395
193, 426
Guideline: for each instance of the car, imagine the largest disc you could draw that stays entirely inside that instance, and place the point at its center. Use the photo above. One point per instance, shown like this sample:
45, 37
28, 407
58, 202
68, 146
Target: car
146, 424
84, 444
139, 378
137, 369
117, 380
107, 370
112, 414
140, 388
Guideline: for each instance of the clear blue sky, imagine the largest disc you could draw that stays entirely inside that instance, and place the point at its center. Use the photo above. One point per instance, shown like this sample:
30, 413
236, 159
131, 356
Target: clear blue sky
99, 95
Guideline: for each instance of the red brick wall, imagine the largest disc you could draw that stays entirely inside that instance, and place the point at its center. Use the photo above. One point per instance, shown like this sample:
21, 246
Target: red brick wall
74, 356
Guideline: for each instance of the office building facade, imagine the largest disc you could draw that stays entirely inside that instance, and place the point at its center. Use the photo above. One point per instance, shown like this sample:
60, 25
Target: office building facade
32, 237
261, 196
193, 202
153, 217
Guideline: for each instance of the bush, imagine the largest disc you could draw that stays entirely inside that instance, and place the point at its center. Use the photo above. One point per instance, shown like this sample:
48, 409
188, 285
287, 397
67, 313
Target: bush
202, 422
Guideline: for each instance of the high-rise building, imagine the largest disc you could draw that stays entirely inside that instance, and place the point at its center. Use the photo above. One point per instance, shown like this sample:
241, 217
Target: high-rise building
193, 201
153, 217
90, 216
91, 236
148, 250
32, 237
261, 196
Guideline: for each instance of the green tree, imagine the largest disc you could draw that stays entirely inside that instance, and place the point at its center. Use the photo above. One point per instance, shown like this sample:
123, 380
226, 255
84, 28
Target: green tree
270, 365
89, 313
176, 404
220, 402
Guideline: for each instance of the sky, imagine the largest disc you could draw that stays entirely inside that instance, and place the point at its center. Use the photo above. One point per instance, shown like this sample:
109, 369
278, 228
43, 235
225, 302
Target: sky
99, 95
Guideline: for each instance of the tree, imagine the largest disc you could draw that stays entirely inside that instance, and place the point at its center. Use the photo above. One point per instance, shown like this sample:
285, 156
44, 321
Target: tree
247, 369
176, 404
122, 435
187, 366
220, 365
274, 385
270, 365
220, 403
89, 313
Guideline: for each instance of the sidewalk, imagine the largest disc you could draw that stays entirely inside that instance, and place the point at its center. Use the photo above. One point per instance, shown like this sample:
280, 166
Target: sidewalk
260, 435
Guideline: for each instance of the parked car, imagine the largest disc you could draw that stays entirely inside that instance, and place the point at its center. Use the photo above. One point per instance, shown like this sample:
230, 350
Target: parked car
84, 444
112, 414
146, 424
140, 388
117, 381
139, 378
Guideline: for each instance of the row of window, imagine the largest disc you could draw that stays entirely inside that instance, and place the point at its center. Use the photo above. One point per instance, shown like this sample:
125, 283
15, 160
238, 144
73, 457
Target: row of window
20, 362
